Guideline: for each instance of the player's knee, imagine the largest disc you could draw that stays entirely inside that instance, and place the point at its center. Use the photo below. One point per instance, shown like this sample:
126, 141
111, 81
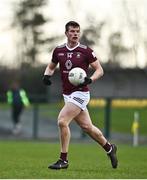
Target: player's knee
86, 127
62, 122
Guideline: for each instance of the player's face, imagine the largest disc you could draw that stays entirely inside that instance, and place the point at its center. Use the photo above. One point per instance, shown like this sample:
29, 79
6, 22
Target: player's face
73, 34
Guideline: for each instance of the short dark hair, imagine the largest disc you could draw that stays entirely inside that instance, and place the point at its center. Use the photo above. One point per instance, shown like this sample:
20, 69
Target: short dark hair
71, 23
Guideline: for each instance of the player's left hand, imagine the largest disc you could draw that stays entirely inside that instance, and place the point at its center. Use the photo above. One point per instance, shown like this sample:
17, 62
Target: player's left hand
86, 82
46, 80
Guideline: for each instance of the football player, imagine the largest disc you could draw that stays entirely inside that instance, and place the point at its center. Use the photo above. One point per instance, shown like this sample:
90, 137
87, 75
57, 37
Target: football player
70, 55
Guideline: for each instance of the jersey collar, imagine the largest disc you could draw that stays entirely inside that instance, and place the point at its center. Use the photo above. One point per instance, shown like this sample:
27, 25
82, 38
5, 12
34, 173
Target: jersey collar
70, 49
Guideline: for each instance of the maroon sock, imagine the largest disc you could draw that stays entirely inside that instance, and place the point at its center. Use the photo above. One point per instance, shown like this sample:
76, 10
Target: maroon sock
107, 147
63, 156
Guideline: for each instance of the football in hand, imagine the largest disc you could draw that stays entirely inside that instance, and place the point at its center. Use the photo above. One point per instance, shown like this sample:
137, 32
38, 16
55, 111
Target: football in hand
76, 76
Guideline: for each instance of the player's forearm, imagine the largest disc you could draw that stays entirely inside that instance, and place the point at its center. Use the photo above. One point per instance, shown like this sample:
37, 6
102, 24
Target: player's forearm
97, 74
49, 70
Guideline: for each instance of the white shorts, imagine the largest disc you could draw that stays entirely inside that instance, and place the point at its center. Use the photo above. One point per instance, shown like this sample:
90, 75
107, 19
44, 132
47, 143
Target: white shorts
79, 98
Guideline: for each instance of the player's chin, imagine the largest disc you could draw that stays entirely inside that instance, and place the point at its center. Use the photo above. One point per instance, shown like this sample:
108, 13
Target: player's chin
75, 40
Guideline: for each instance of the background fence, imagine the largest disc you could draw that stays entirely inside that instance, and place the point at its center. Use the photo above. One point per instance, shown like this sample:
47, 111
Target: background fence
113, 116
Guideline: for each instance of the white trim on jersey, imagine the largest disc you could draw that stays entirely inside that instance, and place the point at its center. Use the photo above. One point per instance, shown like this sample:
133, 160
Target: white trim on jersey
70, 49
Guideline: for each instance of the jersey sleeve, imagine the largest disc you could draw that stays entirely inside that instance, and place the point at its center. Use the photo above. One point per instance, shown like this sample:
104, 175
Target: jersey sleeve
55, 57
91, 57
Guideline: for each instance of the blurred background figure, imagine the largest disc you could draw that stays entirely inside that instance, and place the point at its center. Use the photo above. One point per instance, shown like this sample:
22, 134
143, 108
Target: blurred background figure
18, 99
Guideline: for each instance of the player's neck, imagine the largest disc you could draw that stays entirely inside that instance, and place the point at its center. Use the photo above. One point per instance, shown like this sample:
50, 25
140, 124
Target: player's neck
72, 44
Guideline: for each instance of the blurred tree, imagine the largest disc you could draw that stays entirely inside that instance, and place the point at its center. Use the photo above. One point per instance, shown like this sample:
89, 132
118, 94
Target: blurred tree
135, 22
29, 20
92, 34
116, 49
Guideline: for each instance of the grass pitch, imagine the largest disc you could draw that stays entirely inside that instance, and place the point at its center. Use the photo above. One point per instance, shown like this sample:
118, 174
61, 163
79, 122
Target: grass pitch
20, 160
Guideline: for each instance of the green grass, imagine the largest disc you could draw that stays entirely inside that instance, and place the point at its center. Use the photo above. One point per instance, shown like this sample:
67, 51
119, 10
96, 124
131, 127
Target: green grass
21, 160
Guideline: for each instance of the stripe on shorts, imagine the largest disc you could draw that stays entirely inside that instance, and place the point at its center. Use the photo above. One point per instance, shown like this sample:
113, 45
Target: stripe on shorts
79, 100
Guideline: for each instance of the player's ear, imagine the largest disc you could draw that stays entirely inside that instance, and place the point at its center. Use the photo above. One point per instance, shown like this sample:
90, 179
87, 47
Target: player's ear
66, 33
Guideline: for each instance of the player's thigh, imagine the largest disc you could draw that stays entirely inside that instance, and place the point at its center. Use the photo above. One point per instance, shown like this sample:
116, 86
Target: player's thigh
83, 119
68, 112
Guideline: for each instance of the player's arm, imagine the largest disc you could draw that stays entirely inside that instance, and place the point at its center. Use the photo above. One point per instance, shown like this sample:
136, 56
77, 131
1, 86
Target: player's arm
49, 71
98, 70
96, 75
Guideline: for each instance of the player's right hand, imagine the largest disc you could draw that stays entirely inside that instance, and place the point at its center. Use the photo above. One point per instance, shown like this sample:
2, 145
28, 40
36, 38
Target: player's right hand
46, 80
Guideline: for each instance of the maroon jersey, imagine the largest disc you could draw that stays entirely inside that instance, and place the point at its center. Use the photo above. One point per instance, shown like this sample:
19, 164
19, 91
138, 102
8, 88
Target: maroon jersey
69, 58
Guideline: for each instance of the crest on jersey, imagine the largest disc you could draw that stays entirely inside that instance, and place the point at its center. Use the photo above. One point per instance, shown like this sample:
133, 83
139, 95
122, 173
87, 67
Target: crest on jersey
68, 64
78, 55
69, 55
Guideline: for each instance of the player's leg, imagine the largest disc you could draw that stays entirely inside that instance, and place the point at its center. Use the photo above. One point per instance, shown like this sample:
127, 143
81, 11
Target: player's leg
84, 121
14, 114
17, 110
68, 112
